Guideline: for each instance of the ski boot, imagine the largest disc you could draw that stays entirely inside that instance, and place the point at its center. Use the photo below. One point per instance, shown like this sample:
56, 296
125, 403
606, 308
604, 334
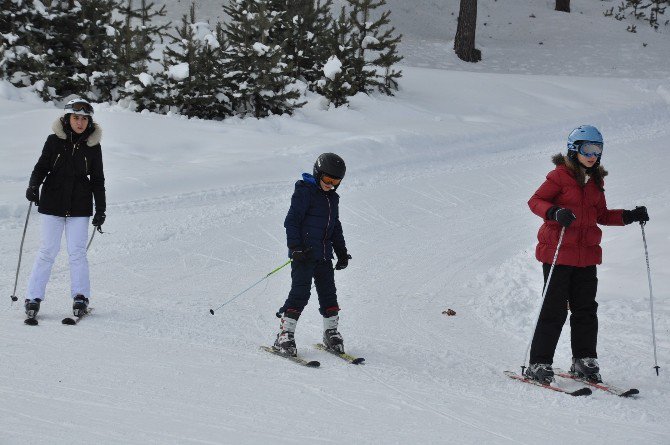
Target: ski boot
79, 305
331, 338
32, 307
540, 372
586, 368
285, 342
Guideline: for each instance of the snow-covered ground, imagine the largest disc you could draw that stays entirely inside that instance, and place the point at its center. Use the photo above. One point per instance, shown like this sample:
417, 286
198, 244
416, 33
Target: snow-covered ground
435, 216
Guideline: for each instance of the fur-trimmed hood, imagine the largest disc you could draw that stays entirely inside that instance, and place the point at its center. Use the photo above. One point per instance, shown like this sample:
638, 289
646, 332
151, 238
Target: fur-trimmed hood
578, 172
92, 140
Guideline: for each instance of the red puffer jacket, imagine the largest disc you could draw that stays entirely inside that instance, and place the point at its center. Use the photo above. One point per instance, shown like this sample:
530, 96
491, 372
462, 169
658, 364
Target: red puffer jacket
566, 186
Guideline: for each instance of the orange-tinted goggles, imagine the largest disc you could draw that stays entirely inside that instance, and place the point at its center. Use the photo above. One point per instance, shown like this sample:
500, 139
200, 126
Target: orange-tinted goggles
330, 181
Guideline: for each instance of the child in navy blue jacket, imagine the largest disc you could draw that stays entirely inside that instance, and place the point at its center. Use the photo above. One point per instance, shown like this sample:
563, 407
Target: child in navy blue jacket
313, 231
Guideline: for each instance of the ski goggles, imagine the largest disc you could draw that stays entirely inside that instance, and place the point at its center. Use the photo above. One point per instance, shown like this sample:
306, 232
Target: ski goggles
80, 107
590, 149
330, 180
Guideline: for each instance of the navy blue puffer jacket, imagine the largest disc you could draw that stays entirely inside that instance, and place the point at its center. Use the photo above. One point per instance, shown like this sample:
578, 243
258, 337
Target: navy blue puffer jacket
313, 220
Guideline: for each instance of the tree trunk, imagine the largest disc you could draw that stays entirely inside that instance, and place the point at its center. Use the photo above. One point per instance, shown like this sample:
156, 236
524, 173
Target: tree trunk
563, 5
464, 43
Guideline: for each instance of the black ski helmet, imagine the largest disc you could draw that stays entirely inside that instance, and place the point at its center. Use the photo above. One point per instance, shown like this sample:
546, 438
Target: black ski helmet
329, 164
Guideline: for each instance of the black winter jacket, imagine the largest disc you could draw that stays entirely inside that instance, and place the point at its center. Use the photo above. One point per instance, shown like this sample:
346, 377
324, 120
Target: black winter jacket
313, 221
71, 168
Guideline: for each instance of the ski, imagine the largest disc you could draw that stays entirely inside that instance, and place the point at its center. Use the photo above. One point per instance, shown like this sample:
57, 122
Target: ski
346, 357
299, 360
74, 320
579, 392
602, 386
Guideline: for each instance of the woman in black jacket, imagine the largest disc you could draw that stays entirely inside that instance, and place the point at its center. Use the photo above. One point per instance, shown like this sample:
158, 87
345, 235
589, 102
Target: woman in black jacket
71, 174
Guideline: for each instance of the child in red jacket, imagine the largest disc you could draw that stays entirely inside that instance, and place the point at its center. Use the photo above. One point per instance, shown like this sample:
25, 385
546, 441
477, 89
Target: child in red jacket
573, 198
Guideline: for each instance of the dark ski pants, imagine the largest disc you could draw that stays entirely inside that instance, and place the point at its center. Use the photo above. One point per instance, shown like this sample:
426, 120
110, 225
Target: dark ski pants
576, 286
302, 273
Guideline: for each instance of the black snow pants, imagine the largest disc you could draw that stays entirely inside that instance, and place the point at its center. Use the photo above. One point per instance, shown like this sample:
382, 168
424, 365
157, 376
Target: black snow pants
576, 286
302, 273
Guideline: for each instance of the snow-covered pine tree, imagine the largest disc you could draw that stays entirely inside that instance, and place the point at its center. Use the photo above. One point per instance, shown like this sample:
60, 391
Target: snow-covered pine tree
2, 60
386, 58
193, 71
63, 70
657, 8
19, 59
256, 67
649, 10
99, 43
336, 85
375, 48
212, 99
137, 39
178, 57
303, 34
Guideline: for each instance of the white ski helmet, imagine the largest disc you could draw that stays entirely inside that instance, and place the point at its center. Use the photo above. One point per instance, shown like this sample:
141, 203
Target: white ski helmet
79, 106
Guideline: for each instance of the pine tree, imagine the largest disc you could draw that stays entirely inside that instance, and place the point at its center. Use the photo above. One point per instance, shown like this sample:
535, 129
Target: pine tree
99, 43
375, 49
19, 58
178, 58
3, 60
338, 86
256, 67
303, 35
212, 100
386, 56
61, 47
195, 84
137, 39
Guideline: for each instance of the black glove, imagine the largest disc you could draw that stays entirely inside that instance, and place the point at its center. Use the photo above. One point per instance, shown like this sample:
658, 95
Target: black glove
342, 261
99, 219
301, 254
639, 214
33, 194
563, 216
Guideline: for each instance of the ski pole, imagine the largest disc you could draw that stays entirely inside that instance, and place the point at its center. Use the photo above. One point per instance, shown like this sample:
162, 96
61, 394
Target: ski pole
544, 294
651, 296
90, 240
18, 267
92, 235
211, 311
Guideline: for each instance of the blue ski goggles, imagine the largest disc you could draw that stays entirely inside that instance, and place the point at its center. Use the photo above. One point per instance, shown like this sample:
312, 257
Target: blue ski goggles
590, 149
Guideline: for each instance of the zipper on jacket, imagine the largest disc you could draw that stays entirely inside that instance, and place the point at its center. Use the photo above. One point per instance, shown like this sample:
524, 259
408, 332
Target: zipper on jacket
56, 161
325, 233
86, 162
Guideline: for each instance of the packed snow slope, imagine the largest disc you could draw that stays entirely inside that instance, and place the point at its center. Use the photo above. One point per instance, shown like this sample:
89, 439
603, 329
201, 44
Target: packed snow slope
435, 216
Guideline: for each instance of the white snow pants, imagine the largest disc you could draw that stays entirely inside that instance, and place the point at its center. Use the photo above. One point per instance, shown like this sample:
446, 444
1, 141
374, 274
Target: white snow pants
76, 232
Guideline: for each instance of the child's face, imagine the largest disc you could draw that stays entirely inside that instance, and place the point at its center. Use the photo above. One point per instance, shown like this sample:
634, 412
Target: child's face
327, 183
588, 162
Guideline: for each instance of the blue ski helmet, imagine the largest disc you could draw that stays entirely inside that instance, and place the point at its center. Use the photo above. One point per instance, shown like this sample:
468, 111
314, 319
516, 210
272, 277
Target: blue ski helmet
581, 134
